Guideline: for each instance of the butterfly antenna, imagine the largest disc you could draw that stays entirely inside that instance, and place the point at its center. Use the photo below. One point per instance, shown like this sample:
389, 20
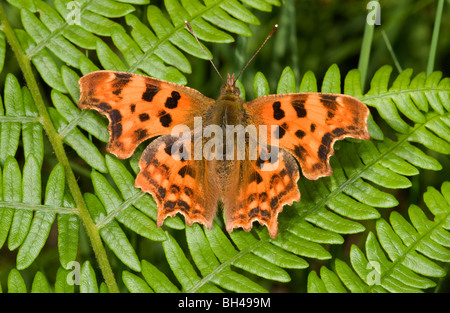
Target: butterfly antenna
193, 34
257, 51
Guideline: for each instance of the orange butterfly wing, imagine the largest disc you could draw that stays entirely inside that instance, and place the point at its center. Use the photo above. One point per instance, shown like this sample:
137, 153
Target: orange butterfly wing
138, 107
260, 190
309, 124
179, 185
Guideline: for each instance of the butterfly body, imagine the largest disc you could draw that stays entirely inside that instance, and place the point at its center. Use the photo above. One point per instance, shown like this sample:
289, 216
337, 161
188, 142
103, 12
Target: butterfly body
222, 154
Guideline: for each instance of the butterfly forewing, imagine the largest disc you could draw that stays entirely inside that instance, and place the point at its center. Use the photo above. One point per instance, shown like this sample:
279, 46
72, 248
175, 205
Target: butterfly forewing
138, 107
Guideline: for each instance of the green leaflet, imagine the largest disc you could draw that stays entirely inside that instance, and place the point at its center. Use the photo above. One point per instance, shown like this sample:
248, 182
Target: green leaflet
31, 194
89, 20
32, 136
12, 192
146, 40
16, 284
72, 32
68, 231
40, 284
260, 85
151, 65
40, 226
203, 29
88, 281
61, 284
10, 131
156, 279
134, 283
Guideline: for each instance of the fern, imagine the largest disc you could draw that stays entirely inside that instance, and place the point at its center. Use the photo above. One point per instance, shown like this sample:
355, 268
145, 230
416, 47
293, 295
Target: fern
39, 187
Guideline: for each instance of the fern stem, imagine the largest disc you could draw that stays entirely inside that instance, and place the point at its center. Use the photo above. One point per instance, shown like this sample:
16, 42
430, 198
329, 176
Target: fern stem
58, 147
364, 54
37, 207
435, 37
391, 51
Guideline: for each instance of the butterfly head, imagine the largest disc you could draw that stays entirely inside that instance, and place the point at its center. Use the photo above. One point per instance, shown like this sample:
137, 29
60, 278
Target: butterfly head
230, 86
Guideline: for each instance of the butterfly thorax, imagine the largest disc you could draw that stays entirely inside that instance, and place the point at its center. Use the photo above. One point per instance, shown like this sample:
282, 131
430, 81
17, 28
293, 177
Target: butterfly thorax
229, 104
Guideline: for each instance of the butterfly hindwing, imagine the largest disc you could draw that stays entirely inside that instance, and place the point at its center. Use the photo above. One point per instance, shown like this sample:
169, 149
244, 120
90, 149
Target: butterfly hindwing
261, 191
178, 183
309, 124
138, 107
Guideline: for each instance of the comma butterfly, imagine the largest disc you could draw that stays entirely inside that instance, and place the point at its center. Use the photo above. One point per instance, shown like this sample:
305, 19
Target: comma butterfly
307, 125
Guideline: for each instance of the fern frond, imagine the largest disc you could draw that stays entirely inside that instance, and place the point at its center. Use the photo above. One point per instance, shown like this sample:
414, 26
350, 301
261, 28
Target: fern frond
407, 256
157, 50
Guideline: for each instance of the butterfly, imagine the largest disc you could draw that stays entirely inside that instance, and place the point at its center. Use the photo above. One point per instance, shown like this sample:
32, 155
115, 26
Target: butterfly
303, 126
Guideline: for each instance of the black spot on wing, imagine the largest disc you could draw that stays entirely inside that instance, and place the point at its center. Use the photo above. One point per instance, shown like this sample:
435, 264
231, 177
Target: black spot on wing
328, 101
105, 107
300, 152
116, 131
188, 191
121, 80
279, 132
116, 116
121, 75
144, 117
256, 177
172, 102
150, 92
299, 107
183, 206
323, 152
339, 131
165, 120
140, 134
278, 113
169, 206
186, 170
116, 126
300, 134
263, 197
273, 203
162, 192
174, 189
327, 139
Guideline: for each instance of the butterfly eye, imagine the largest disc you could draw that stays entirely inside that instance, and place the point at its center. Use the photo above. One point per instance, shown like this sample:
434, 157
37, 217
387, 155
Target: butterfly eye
236, 91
